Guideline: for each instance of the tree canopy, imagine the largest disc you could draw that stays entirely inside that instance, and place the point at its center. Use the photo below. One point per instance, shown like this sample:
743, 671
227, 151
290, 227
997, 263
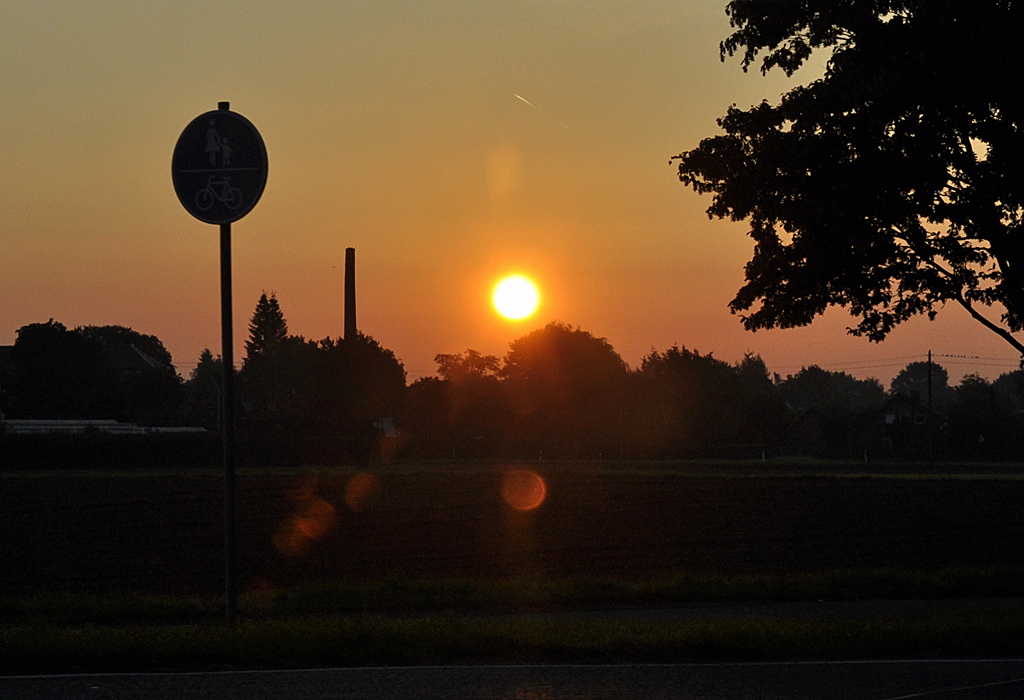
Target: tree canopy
832, 393
470, 365
93, 372
267, 328
312, 399
112, 336
925, 380
890, 186
565, 389
687, 404
62, 374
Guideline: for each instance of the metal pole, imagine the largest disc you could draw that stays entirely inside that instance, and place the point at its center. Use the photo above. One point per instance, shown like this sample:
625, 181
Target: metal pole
228, 424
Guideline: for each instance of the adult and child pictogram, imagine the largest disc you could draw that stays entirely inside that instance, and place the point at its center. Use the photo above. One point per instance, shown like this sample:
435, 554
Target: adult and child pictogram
219, 167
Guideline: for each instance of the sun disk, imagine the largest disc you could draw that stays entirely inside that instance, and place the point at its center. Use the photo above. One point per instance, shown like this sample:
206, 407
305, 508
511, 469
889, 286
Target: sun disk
515, 297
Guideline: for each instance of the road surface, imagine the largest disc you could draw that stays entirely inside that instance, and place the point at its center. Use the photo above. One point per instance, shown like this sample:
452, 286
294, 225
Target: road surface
894, 680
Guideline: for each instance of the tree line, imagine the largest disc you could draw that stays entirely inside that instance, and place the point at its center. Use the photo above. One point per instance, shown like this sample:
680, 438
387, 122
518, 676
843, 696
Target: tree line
562, 393
558, 393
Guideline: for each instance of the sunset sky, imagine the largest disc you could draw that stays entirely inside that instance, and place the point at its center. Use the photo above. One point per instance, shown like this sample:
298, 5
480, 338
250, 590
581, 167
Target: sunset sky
451, 143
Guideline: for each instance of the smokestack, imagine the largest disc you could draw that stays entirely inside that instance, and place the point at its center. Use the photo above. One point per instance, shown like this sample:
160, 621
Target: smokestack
350, 294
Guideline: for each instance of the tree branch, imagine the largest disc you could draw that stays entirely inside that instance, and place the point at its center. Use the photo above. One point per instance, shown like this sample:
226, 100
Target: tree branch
998, 330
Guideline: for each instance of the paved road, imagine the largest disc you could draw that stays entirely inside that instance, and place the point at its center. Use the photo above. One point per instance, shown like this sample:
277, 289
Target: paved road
897, 680
845, 609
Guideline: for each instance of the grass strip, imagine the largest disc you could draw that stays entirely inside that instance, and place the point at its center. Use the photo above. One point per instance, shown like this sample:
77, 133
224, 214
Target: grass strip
475, 594
377, 640
402, 596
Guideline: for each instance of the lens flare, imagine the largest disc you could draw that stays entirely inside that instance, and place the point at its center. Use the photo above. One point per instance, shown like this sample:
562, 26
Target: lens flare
312, 519
359, 490
523, 489
317, 520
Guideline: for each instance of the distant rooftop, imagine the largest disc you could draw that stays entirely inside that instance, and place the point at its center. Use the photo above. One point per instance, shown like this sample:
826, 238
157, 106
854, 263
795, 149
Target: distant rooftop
22, 426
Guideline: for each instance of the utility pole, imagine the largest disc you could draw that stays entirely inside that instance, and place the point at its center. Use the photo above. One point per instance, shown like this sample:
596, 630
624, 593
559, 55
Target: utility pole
928, 418
929, 380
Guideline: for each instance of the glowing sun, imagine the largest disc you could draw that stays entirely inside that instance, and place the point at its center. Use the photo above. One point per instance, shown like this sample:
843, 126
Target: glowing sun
515, 297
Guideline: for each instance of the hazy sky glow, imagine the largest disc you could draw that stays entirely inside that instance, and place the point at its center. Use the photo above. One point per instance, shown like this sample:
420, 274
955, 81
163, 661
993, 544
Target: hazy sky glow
451, 143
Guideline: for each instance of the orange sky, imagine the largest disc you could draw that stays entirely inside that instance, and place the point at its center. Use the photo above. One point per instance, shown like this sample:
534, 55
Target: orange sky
450, 143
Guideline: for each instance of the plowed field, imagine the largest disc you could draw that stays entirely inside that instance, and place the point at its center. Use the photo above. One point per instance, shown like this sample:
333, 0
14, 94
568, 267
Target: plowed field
164, 533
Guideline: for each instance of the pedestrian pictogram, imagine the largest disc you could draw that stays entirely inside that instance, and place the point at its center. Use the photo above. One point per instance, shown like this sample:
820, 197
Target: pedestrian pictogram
216, 145
219, 167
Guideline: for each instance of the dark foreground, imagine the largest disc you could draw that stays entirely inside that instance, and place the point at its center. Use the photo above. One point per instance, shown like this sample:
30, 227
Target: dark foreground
949, 680
470, 528
163, 533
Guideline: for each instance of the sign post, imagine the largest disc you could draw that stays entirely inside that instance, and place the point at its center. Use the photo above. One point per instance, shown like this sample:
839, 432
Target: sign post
219, 169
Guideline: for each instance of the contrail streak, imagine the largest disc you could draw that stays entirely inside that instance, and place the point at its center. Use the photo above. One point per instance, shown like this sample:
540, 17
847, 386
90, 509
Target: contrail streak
526, 101
542, 112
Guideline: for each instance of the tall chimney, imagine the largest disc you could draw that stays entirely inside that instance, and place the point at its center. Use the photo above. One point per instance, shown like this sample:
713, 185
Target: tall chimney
350, 294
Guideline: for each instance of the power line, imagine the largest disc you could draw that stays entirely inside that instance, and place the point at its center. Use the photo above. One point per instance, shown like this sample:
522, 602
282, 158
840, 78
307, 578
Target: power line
980, 357
898, 361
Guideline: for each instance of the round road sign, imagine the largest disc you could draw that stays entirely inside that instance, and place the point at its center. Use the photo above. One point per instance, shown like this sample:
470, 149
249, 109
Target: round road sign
219, 166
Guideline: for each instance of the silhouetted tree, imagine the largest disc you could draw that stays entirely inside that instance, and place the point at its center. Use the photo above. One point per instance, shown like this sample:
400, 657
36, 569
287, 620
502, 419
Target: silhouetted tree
477, 403
93, 372
267, 328
891, 185
565, 389
682, 403
833, 393
203, 392
62, 374
6, 382
762, 413
260, 380
358, 381
912, 381
114, 336
979, 417
1011, 385
425, 417
836, 404
152, 391
464, 365
691, 405
304, 399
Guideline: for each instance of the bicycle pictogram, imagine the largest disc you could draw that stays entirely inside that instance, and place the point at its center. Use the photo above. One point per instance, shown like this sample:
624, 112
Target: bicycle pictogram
218, 191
